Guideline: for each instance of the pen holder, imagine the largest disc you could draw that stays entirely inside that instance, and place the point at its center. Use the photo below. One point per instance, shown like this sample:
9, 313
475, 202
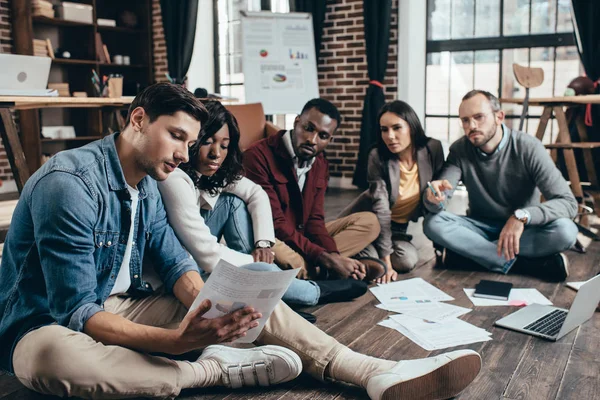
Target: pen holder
115, 87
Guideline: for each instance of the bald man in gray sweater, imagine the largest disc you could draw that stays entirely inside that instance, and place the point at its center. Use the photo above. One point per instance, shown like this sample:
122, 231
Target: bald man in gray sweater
505, 172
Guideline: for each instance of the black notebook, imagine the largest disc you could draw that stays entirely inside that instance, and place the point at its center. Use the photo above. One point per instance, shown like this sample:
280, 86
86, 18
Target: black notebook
492, 290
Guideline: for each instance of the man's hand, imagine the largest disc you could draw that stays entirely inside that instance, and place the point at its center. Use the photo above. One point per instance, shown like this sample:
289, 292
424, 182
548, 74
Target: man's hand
263, 255
345, 267
508, 242
440, 187
197, 332
391, 275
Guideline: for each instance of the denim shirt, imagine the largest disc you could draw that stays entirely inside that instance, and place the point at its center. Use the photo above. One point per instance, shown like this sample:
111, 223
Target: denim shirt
67, 240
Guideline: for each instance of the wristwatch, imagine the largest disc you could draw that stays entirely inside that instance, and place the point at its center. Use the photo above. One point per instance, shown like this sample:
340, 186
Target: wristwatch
521, 215
263, 244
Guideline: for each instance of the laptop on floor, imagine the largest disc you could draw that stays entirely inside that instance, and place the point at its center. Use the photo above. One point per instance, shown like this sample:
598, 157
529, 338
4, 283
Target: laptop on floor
24, 75
552, 323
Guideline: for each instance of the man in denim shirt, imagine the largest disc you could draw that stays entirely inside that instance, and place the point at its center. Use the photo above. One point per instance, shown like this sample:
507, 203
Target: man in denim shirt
78, 319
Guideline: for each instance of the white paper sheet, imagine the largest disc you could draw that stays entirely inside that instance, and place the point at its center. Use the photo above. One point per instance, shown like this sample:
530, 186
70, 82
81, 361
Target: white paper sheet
230, 288
575, 285
518, 297
435, 312
434, 336
414, 290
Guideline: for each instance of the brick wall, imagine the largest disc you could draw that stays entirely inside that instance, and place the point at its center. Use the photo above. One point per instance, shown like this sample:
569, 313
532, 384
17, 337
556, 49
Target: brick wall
160, 46
343, 77
6, 46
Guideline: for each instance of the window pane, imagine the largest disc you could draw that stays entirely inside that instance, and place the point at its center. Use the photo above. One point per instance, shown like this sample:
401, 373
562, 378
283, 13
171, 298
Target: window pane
568, 67
438, 21
237, 75
543, 16
456, 130
516, 17
487, 70
237, 92
543, 57
236, 37
462, 18
282, 6
437, 128
565, 24
224, 70
223, 38
438, 70
487, 18
510, 87
222, 10
461, 78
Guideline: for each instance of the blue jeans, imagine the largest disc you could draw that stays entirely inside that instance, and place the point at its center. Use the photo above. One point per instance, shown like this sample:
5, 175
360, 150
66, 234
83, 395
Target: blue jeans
478, 239
231, 220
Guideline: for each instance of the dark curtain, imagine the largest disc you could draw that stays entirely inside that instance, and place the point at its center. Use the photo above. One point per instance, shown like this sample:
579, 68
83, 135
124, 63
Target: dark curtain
179, 22
377, 37
586, 16
317, 8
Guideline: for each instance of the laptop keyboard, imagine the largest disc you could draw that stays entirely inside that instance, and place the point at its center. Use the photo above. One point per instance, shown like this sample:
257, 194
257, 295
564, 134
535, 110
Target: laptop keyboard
549, 324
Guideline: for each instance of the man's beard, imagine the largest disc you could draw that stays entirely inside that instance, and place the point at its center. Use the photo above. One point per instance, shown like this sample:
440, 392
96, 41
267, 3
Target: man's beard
487, 136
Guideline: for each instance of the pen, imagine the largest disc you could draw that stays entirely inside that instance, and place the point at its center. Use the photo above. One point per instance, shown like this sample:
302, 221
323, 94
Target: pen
432, 189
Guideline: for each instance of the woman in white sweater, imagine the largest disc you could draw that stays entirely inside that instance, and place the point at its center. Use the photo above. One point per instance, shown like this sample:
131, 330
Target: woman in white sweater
208, 199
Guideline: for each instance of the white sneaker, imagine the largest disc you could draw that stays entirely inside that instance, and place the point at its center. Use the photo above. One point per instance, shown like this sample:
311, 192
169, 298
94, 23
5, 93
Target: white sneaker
433, 378
262, 366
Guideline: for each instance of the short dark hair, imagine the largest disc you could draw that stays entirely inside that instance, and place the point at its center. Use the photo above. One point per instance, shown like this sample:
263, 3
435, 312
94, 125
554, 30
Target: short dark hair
403, 110
494, 102
324, 106
231, 170
167, 99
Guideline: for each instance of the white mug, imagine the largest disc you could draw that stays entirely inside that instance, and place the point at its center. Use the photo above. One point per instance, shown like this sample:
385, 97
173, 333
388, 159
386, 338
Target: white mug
126, 60
118, 59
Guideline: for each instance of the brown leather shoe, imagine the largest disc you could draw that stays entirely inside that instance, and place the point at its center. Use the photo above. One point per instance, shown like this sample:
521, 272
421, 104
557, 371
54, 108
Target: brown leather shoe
375, 267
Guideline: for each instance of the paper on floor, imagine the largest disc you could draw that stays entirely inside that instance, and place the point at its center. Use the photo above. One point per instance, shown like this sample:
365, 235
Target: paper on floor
414, 290
518, 297
435, 311
434, 336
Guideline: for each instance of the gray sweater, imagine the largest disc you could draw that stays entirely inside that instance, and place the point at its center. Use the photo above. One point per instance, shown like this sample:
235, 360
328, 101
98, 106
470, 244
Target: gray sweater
509, 179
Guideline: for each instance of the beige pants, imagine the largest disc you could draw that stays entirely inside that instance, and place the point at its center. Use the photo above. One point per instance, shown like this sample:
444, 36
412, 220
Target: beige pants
351, 235
58, 361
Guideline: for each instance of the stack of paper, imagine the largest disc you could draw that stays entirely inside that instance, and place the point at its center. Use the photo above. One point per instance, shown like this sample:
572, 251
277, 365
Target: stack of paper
437, 335
425, 320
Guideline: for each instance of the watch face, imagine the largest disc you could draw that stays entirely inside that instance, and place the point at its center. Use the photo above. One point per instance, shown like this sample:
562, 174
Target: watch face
520, 214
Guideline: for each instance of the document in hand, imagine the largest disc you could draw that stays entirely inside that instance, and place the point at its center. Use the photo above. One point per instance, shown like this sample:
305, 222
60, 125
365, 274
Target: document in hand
230, 288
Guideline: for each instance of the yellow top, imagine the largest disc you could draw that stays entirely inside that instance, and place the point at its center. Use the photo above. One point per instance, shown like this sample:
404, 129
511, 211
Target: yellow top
409, 196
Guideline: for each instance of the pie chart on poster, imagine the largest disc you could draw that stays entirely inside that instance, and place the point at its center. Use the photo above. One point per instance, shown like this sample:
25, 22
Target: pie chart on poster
279, 78
264, 53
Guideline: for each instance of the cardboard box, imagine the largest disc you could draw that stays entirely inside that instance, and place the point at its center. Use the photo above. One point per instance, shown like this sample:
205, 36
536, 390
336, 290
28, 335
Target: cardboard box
76, 12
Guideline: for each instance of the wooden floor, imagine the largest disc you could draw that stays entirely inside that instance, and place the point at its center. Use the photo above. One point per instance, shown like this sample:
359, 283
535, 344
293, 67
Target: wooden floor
515, 366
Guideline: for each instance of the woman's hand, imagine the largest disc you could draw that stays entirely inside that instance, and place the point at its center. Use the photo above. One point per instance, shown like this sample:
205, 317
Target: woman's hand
391, 275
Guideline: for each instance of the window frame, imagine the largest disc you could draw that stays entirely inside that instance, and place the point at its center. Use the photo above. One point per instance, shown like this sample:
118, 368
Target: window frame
499, 43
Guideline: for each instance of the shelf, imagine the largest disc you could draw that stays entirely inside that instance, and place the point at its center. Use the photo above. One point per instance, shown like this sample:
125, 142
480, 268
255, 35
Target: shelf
120, 29
58, 22
123, 65
71, 61
78, 138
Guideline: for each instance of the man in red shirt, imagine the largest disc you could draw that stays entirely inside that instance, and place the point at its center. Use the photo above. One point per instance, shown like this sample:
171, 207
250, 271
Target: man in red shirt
291, 168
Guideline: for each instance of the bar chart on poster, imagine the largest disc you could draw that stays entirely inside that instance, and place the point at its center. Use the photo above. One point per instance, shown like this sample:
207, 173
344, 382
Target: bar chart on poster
279, 54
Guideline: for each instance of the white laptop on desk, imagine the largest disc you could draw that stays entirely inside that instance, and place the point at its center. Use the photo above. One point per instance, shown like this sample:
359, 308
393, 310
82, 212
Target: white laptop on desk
24, 75
552, 323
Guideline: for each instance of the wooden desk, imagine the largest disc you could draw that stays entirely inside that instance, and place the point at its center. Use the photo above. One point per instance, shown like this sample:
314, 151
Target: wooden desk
8, 128
556, 105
